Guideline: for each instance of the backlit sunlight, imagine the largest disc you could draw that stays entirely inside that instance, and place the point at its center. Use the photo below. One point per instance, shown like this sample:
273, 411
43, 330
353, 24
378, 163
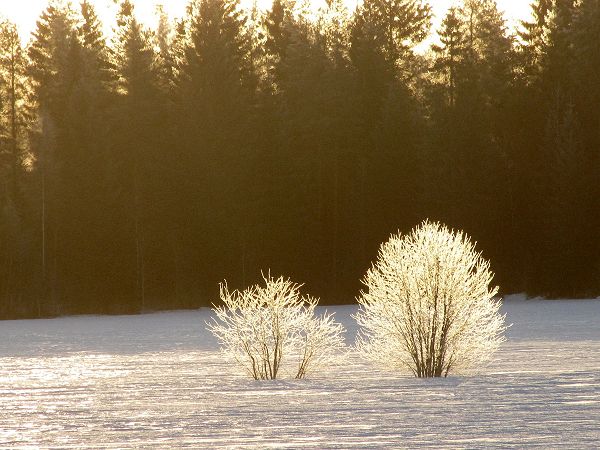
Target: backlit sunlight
25, 12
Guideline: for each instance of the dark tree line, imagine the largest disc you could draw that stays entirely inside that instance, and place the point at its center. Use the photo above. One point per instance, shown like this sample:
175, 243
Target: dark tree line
140, 169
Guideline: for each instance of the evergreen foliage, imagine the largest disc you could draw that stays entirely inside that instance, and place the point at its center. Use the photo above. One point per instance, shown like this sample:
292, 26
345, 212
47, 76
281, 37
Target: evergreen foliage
141, 169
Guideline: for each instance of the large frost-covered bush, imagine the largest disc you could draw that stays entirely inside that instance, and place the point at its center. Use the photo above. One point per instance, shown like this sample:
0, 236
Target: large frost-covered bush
272, 330
428, 307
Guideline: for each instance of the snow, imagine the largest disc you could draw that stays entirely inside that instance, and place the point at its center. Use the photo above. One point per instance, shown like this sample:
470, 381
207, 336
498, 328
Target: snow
157, 381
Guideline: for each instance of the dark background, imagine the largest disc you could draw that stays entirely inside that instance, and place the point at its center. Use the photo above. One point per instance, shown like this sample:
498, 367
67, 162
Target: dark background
139, 171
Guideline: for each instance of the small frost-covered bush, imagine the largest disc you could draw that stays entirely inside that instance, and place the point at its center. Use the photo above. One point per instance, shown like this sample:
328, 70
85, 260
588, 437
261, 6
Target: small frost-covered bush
272, 330
428, 307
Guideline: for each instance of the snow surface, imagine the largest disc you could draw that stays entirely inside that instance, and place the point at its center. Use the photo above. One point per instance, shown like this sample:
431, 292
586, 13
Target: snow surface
158, 381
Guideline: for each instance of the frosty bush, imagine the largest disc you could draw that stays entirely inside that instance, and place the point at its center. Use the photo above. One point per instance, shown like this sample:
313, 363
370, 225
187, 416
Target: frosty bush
271, 329
428, 308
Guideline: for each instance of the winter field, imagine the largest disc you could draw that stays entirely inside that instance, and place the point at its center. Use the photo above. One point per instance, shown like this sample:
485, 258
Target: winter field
157, 380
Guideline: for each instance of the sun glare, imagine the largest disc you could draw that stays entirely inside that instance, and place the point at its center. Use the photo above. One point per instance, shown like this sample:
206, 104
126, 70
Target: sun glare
25, 12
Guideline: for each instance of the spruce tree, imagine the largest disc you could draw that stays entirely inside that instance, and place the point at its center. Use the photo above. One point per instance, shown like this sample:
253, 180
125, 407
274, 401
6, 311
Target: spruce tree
51, 73
141, 83
15, 209
473, 69
213, 106
15, 112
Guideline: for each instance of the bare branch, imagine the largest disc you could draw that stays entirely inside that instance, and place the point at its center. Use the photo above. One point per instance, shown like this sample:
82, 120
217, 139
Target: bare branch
428, 308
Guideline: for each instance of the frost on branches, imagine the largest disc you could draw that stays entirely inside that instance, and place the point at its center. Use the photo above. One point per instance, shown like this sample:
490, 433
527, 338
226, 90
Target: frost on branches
272, 330
428, 308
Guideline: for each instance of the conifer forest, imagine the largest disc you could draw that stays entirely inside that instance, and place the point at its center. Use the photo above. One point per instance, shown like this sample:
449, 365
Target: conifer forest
139, 168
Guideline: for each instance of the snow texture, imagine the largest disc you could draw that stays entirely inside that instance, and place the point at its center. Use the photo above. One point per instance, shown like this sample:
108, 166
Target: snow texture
158, 381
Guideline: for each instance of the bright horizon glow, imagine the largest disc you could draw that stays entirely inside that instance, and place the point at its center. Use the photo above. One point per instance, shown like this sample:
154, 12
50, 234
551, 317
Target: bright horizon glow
25, 13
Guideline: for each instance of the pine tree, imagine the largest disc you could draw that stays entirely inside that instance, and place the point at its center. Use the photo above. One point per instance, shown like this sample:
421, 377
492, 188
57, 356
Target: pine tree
558, 52
553, 145
51, 73
15, 253
569, 150
214, 104
15, 114
164, 41
141, 87
563, 200
315, 107
586, 42
92, 130
383, 36
473, 66
236, 139
533, 36
449, 53
394, 27
278, 24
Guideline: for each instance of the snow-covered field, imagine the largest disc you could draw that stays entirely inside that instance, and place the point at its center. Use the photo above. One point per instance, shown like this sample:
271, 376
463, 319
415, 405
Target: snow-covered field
157, 380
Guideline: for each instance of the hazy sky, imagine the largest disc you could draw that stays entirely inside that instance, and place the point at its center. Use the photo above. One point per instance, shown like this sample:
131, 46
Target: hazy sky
25, 12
